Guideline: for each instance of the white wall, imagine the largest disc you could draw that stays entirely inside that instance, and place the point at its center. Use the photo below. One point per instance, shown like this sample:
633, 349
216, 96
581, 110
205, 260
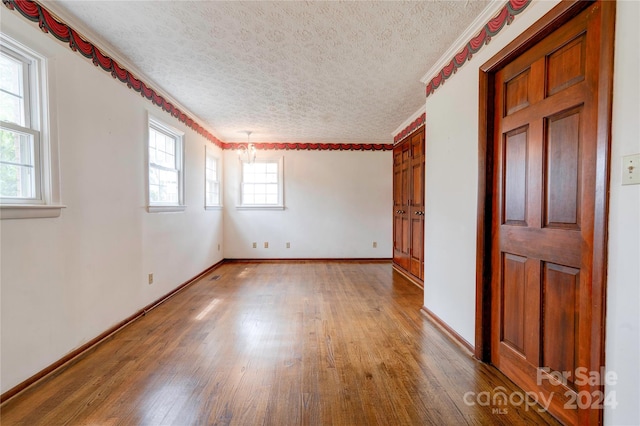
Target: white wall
623, 295
452, 185
451, 193
66, 280
337, 203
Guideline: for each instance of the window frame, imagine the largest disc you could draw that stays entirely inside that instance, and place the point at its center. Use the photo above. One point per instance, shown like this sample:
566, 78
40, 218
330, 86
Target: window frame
280, 205
178, 135
40, 128
209, 153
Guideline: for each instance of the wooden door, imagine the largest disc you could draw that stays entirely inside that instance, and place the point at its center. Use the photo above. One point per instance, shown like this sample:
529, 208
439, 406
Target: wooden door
416, 205
401, 223
545, 150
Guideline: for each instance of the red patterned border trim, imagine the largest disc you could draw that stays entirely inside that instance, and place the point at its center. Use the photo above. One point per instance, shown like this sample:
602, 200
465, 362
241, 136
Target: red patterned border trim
410, 128
49, 24
493, 27
304, 146
63, 32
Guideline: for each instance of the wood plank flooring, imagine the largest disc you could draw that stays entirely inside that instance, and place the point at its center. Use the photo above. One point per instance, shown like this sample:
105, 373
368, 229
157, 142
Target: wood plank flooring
295, 343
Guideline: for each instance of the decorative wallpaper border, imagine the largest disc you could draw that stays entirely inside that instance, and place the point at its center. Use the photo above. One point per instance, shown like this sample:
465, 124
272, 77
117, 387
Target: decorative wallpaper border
493, 27
304, 146
312, 146
49, 24
410, 128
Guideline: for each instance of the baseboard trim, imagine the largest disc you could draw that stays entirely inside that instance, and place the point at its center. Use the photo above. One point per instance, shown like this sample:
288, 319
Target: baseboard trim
62, 362
312, 260
408, 276
450, 332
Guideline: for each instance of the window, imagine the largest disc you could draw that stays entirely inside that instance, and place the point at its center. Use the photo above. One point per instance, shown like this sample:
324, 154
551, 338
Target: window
19, 134
166, 175
212, 180
262, 184
27, 172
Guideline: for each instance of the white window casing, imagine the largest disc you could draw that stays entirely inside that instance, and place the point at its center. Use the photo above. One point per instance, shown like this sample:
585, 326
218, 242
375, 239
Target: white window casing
212, 181
165, 167
29, 169
262, 184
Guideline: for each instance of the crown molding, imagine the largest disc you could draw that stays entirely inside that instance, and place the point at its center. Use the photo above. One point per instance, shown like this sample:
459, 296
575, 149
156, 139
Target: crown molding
474, 28
413, 117
506, 15
86, 33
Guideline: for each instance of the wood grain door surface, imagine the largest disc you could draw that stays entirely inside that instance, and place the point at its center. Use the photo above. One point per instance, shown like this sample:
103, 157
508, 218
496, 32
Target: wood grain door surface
416, 204
543, 213
401, 224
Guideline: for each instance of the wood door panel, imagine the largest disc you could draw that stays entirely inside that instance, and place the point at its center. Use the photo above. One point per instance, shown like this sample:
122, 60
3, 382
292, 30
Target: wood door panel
562, 171
566, 66
562, 101
515, 181
549, 244
516, 93
417, 245
513, 300
561, 318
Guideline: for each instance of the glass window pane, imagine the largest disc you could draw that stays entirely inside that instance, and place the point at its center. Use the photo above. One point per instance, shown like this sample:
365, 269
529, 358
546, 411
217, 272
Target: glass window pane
260, 198
153, 176
11, 109
271, 178
11, 72
154, 193
272, 189
248, 188
272, 199
272, 167
16, 147
260, 167
17, 181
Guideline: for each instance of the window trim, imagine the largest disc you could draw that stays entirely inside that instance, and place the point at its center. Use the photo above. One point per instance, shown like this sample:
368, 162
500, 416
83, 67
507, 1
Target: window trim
42, 127
210, 153
163, 207
280, 206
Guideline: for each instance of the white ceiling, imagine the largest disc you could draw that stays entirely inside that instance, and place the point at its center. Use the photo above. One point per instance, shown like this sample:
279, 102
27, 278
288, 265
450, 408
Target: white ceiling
290, 71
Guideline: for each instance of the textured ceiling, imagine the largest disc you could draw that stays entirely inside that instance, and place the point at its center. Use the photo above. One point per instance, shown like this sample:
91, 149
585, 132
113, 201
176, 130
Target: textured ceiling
290, 71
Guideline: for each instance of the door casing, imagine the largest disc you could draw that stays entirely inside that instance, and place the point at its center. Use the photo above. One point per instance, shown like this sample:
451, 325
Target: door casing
554, 19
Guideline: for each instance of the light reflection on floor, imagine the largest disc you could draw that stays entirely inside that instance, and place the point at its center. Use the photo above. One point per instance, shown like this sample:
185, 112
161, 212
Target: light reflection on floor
203, 313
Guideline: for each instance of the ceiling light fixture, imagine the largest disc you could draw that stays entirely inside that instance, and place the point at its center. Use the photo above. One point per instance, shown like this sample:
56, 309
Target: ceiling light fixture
247, 153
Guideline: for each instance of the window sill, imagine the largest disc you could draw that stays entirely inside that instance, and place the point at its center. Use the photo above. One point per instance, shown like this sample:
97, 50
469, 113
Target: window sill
213, 207
260, 207
30, 211
165, 209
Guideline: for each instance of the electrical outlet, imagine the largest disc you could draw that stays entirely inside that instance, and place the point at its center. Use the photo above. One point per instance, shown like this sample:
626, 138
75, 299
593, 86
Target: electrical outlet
631, 169
266, 244
150, 278
288, 245
375, 244
255, 245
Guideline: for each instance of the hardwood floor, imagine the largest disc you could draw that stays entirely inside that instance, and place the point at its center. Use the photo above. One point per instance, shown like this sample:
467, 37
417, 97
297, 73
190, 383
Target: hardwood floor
314, 343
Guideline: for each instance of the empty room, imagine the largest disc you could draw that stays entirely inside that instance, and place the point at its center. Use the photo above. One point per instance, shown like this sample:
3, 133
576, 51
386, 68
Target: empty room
319, 212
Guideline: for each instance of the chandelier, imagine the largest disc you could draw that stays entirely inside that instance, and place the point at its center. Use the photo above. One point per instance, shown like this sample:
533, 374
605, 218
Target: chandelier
247, 153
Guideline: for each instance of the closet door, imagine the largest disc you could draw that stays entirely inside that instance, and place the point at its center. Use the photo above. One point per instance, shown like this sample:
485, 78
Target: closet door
416, 205
401, 223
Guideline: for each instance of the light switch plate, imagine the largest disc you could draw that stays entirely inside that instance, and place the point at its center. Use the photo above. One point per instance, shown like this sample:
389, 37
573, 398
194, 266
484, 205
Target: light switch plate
631, 169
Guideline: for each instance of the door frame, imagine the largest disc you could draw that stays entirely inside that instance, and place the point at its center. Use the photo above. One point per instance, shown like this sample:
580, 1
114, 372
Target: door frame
551, 21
